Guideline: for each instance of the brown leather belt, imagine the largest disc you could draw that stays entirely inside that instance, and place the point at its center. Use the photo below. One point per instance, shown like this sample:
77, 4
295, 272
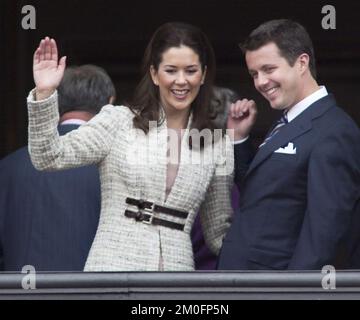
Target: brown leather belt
148, 216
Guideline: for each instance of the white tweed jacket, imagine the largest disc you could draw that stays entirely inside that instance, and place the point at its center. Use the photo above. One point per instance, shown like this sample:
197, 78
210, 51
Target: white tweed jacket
132, 164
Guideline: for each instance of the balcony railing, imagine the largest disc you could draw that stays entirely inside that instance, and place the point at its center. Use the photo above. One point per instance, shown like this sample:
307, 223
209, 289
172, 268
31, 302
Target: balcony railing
220, 285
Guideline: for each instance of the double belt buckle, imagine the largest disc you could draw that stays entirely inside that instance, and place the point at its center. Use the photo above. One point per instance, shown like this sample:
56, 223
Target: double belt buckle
145, 213
149, 212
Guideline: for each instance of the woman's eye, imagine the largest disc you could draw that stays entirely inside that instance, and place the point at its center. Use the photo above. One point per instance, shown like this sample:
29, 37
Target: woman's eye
171, 71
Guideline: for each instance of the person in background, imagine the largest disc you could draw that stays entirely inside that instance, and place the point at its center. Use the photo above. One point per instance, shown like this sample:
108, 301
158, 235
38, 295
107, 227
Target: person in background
49, 219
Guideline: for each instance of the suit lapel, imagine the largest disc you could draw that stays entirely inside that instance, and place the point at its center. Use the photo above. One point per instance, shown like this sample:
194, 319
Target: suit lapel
300, 125
281, 139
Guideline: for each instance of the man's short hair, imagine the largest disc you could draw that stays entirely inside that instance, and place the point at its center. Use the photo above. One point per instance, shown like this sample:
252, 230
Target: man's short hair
290, 37
85, 88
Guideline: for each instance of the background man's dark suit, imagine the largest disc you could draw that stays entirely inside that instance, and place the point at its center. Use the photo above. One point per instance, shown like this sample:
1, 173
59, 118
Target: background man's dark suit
47, 219
299, 211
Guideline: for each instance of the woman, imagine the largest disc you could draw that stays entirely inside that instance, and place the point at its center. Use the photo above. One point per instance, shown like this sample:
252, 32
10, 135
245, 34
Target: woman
151, 185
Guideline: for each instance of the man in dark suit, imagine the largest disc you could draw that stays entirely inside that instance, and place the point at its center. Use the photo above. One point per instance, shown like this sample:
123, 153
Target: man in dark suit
49, 219
299, 206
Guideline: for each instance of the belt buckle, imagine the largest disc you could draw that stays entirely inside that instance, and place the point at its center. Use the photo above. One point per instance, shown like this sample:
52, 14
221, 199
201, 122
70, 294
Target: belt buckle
151, 217
150, 213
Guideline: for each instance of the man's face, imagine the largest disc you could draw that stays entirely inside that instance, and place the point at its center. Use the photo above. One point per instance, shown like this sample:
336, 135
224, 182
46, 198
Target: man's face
280, 83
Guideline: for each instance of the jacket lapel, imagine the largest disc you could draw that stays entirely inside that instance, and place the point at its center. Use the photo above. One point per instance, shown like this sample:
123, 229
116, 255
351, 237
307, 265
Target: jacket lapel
281, 139
296, 128
183, 169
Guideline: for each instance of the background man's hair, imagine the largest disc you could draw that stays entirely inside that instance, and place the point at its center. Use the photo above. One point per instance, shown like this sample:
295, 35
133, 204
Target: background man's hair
85, 88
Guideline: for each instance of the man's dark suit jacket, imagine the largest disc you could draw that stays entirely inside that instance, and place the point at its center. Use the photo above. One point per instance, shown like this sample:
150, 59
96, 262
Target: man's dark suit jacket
299, 211
47, 219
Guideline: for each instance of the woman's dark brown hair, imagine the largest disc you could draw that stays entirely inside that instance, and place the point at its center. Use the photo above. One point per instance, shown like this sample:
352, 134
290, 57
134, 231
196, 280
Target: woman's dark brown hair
146, 101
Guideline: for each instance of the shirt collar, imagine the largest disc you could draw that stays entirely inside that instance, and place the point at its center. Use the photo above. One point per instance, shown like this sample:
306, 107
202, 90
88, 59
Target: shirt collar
305, 103
73, 121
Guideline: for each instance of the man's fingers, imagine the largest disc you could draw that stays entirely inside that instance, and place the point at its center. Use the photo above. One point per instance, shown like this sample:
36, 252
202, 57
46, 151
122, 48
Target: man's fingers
234, 110
252, 107
248, 106
239, 111
47, 48
242, 108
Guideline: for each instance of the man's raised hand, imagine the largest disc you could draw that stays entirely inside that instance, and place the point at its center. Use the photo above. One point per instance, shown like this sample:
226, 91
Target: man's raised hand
241, 118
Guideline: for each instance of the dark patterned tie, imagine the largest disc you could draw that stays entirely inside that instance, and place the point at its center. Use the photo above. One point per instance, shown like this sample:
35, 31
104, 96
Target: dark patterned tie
278, 125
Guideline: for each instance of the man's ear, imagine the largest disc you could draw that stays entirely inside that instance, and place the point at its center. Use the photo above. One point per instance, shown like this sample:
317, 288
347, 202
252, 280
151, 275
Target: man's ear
112, 100
303, 61
153, 74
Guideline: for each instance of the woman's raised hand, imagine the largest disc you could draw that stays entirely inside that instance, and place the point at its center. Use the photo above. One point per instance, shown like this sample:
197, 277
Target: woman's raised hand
48, 70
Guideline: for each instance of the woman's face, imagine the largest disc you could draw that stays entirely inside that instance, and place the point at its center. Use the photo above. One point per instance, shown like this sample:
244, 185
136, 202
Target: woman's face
179, 77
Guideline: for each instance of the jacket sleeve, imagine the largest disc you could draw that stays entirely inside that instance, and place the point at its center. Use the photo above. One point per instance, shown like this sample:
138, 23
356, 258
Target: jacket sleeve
243, 154
88, 144
216, 211
333, 192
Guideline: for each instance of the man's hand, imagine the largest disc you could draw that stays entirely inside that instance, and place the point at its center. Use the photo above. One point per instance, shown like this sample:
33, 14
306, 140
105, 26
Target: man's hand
241, 118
